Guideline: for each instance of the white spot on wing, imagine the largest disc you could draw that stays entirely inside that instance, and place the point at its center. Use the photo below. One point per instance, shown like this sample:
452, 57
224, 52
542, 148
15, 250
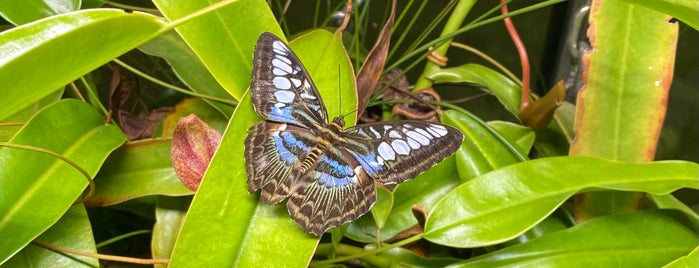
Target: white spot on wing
307, 96
418, 137
296, 82
281, 82
281, 65
374, 132
279, 46
395, 134
423, 132
386, 152
413, 143
439, 129
284, 96
401, 147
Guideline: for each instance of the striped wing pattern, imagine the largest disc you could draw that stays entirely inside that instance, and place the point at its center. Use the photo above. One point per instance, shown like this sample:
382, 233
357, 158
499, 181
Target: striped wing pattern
327, 173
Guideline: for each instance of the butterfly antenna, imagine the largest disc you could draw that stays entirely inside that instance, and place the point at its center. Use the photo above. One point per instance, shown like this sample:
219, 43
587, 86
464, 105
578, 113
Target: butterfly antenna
339, 89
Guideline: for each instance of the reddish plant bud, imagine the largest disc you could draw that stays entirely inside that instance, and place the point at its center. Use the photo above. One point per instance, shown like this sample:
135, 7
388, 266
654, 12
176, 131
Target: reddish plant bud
193, 144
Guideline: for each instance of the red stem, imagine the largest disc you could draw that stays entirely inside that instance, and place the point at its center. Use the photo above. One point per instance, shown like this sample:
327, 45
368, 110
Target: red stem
523, 58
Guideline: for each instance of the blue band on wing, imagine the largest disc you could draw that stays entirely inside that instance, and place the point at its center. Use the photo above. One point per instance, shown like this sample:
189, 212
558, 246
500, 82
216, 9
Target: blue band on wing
369, 163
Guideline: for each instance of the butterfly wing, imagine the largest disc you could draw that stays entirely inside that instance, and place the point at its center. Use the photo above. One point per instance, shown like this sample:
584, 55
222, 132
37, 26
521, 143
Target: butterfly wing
272, 150
392, 152
334, 191
281, 89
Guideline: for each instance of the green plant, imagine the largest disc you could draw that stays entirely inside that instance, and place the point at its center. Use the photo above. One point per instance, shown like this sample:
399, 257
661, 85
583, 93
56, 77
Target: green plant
490, 198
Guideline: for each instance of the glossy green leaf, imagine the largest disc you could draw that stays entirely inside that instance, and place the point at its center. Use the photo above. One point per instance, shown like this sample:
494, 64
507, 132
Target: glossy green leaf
170, 213
31, 10
224, 39
72, 231
483, 149
6, 132
689, 260
139, 168
35, 196
520, 137
188, 68
502, 204
226, 226
382, 208
103, 34
504, 89
640, 239
683, 10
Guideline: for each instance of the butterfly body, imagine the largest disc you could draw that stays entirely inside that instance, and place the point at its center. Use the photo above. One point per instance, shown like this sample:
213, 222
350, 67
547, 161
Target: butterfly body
326, 172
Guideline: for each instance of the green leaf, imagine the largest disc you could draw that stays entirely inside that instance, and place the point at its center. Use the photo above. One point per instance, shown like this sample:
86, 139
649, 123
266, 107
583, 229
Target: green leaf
381, 209
484, 149
226, 226
683, 10
224, 39
640, 239
621, 110
170, 213
188, 68
35, 196
507, 92
689, 260
51, 44
72, 231
139, 168
502, 204
31, 10
520, 137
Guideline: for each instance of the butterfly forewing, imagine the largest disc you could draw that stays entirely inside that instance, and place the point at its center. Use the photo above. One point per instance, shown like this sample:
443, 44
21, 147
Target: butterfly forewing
392, 152
281, 89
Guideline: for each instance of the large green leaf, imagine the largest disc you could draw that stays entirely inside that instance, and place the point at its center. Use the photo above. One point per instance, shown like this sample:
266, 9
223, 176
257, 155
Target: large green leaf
640, 239
31, 10
38, 58
621, 109
224, 39
37, 189
226, 226
72, 231
502, 204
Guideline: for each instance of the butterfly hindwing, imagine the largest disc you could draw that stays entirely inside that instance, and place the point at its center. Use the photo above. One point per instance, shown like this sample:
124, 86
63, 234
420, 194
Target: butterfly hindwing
281, 89
334, 191
392, 152
272, 150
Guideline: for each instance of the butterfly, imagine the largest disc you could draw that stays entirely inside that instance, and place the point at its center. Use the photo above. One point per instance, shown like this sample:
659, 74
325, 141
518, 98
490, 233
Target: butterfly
326, 172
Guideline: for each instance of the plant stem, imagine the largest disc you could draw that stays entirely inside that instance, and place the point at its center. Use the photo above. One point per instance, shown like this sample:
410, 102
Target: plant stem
457, 17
